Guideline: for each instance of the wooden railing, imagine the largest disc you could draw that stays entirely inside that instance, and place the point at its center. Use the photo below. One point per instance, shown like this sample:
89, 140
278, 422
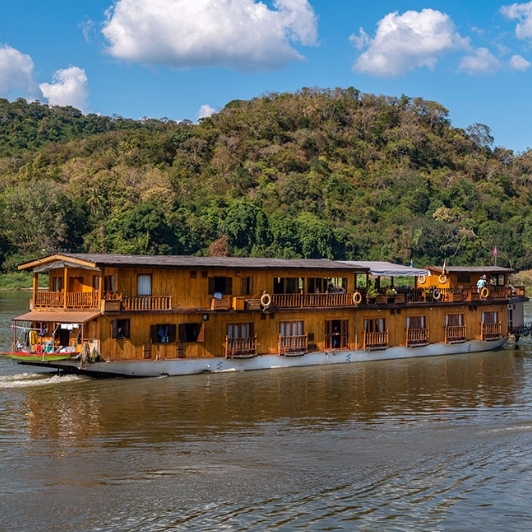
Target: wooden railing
455, 334
312, 300
491, 331
415, 337
375, 340
240, 347
82, 299
73, 299
293, 345
147, 303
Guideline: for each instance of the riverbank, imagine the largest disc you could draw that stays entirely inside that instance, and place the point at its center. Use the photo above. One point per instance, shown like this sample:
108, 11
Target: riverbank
16, 281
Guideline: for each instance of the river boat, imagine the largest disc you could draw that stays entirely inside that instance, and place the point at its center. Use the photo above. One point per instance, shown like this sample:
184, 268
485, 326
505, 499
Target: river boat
152, 316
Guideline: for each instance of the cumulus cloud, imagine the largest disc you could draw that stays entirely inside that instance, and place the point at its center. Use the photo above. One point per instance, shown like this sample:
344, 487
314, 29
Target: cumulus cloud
522, 13
206, 111
16, 73
518, 62
69, 87
404, 42
481, 61
237, 34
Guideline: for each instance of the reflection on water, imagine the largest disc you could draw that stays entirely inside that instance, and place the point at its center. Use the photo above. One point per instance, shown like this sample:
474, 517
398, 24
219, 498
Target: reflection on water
434, 444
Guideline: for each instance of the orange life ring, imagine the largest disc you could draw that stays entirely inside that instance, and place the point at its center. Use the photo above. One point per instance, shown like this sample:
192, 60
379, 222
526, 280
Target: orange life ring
357, 298
421, 279
266, 300
443, 278
484, 292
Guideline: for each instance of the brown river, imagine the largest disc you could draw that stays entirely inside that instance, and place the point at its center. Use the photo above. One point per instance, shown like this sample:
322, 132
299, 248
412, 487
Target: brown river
441, 444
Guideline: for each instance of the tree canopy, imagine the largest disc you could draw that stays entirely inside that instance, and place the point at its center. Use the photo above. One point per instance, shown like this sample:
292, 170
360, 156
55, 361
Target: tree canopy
318, 173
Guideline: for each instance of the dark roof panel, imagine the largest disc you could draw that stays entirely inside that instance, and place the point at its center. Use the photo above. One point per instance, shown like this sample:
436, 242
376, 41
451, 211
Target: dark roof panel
181, 261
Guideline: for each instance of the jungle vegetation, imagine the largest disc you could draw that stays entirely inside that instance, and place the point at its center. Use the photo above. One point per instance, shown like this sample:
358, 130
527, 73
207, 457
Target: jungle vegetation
319, 173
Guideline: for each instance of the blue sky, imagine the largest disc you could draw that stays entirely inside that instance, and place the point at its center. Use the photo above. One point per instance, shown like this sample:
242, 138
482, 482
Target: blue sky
184, 59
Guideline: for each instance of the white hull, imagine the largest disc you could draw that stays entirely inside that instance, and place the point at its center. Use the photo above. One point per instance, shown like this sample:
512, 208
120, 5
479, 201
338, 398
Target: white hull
174, 367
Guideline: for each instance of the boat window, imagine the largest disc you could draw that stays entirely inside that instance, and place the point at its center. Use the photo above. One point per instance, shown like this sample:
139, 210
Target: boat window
416, 322
57, 284
164, 333
239, 330
454, 320
191, 332
108, 283
287, 285
221, 285
490, 317
336, 336
120, 329
291, 328
144, 285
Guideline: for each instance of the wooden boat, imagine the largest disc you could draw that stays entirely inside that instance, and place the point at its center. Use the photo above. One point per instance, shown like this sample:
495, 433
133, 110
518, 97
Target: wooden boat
24, 356
146, 316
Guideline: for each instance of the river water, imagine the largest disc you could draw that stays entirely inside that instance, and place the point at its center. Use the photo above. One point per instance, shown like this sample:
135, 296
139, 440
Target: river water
439, 444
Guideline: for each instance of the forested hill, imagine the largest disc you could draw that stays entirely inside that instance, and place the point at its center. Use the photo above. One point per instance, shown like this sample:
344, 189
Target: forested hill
319, 173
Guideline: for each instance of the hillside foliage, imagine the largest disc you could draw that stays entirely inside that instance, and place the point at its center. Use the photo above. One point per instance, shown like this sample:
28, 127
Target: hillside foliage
320, 173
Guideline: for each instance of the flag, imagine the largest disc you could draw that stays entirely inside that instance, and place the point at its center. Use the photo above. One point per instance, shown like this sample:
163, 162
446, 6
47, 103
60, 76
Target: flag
495, 251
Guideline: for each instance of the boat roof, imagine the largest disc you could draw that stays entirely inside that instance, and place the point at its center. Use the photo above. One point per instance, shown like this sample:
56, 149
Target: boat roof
61, 316
472, 269
96, 261
381, 268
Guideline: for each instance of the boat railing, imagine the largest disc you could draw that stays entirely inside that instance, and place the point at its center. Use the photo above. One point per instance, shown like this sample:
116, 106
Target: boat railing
455, 334
375, 340
147, 303
417, 337
491, 331
82, 299
312, 300
240, 347
68, 300
293, 345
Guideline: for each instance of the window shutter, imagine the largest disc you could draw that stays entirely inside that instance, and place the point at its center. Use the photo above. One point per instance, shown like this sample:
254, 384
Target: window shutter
153, 334
229, 285
114, 329
182, 332
211, 286
201, 334
172, 333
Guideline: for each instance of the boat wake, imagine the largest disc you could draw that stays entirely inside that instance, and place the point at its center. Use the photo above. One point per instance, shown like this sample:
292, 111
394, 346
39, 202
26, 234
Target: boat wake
27, 380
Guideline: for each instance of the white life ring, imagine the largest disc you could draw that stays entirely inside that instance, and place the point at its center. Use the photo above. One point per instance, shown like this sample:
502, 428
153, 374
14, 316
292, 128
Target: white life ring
443, 278
484, 292
357, 298
436, 294
266, 300
421, 279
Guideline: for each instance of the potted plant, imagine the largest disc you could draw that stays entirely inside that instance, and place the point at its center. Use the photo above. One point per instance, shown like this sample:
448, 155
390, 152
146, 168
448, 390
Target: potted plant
390, 295
371, 294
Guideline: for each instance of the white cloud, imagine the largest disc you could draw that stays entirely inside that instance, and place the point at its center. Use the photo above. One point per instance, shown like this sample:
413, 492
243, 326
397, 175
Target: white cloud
206, 111
404, 42
237, 34
481, 61
523, 13
518, 62
16, 74
69, 87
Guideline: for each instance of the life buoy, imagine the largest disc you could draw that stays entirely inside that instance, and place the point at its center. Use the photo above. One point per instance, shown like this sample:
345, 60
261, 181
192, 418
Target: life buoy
436, 295
484, 292
421, 279
443, 278
266, 300
357, 298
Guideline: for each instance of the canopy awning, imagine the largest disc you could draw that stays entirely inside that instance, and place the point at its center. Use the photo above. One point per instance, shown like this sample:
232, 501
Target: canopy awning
388, 269
62, 264
59, 317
